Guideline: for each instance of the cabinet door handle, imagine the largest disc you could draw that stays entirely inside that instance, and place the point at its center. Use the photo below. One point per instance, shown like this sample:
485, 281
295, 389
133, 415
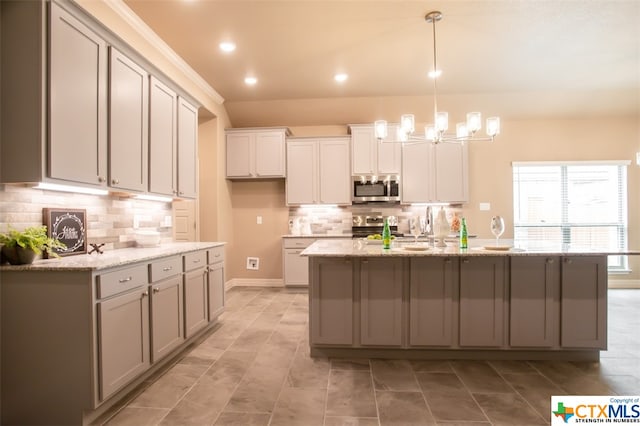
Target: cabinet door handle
124, 280
568, 261
101, 179
465, 260
145, 294
115, 181
549, 260
156, 290
168, 268
447, 261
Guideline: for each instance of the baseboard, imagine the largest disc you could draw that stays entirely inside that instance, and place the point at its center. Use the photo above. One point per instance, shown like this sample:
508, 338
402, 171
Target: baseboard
624, 283
253, 282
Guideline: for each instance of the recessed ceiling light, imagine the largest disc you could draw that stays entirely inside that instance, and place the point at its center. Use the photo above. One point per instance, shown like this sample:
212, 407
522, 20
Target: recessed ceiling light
251, 81
435, 74
227, 46
341, 77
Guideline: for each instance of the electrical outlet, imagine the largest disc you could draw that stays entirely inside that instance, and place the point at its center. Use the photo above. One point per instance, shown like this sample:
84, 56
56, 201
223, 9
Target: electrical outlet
253, 263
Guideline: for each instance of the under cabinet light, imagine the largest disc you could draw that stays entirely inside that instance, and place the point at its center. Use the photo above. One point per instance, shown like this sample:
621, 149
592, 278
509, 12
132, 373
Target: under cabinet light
69, 188
149, 197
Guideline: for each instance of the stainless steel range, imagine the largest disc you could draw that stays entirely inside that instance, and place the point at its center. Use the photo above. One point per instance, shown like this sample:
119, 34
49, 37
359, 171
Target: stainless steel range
363, 225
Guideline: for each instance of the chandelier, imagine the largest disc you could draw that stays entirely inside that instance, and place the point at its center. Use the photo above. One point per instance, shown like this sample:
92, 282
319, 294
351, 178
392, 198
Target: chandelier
437, 131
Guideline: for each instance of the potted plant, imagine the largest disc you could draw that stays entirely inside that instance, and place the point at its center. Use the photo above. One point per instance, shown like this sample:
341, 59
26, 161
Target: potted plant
22, 247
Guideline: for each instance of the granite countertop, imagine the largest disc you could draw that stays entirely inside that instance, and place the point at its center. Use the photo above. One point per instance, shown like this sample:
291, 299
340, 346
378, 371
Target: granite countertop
364, 248
318, 236
111, 258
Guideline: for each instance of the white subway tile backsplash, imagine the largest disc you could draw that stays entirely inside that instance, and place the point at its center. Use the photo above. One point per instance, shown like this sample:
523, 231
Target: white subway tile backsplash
110, 219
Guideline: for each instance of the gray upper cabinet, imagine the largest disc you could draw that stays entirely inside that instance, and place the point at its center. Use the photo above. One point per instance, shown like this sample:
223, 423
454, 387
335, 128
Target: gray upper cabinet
75, 107
128, 123
77, 102
163, 121
256, 153
187, 149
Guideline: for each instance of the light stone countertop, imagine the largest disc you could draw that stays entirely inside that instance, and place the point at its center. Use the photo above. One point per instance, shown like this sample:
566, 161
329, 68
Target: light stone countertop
348, 236
363, 248
111, 258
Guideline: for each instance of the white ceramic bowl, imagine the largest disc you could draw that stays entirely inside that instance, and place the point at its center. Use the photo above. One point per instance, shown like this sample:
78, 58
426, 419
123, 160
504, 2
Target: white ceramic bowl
147, 238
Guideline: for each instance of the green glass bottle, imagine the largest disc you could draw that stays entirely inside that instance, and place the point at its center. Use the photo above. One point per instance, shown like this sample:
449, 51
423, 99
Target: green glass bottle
386, 235
463, 234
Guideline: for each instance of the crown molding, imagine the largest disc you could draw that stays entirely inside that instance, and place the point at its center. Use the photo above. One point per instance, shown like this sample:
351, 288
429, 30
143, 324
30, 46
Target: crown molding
150, 36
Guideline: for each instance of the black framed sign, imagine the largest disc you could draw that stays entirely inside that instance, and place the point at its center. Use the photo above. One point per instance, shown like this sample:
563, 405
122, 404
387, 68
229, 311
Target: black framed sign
67, 226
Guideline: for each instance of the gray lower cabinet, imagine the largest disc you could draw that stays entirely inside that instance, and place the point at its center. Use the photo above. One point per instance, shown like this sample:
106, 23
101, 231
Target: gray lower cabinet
381, 302
331, 308
584, 302
534, 298
196, 315
166, 316
215, 271
482, 287
432, 283
123, 351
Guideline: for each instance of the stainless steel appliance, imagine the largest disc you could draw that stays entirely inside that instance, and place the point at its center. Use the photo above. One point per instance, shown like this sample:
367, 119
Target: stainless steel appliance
367, 189
363, 225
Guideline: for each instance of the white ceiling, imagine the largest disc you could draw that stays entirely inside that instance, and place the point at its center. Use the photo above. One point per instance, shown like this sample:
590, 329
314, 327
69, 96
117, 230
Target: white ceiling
519, 57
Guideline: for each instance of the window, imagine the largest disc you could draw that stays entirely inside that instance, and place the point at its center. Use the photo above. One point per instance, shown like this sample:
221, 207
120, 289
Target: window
579, 204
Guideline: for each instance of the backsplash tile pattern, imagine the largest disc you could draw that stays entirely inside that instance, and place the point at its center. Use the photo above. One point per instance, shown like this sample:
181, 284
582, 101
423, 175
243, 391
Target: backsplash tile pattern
337, 220
111, 219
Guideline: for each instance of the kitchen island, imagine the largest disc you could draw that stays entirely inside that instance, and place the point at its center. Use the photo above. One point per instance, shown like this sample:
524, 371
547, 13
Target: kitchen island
525, 302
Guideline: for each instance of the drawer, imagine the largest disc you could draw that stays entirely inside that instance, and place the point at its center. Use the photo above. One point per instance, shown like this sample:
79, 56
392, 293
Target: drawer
119, 281
216, 254
165, 268
195, 260
298, 242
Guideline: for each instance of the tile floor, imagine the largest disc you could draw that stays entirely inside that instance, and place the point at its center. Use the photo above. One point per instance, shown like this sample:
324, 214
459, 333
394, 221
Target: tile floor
255, 369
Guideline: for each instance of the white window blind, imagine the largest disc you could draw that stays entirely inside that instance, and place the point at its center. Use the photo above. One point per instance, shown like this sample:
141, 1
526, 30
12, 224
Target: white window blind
580, 204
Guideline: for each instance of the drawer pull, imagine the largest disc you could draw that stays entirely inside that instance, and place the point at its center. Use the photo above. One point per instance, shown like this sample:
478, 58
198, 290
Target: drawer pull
124, 280
168, 268
196, 261
217, 255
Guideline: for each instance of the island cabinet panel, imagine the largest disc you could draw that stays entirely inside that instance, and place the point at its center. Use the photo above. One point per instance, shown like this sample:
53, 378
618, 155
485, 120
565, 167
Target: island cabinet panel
482, 284
331, 316
584, 302
381, 302
432, 284
123, 333
535, 288
78, 101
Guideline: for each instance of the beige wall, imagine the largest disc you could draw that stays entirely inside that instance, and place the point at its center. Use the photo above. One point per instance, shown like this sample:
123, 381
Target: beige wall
228, 209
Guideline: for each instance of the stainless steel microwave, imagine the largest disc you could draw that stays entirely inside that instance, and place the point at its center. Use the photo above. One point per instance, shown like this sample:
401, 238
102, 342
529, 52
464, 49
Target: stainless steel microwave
368, 189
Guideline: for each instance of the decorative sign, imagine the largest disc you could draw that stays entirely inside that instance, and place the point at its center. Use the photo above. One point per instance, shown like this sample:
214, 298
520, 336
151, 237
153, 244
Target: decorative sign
67, 226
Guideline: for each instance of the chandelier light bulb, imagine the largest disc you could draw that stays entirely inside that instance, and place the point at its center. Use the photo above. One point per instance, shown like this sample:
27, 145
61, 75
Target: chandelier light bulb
474, 122
430, 132
442, 121
380, 129
407, 123
493, 126
461, 130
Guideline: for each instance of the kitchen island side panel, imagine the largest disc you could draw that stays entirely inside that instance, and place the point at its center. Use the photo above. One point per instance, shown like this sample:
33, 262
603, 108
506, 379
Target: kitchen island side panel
331, 301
